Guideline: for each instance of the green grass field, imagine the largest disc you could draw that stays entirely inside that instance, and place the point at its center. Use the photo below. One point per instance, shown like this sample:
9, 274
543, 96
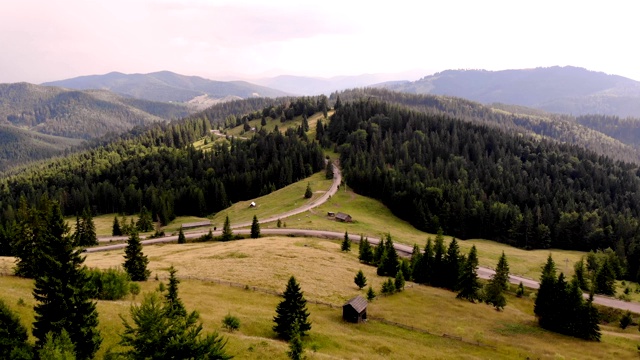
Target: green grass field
326, 274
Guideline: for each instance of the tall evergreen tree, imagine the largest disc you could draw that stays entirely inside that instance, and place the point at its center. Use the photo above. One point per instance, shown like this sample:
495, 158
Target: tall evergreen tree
546, 298
115, 229
85, 234
416, 257
227, 233
468, 282
424, 269
366, 251
255, 228
498, 284
346, 243
62, 292
181, 238
378, 252
605, 279
292, 309
329, 170
135, 262
389, 261
13, 336
399, 281
438, 269
453, 263
31, 231
145, 222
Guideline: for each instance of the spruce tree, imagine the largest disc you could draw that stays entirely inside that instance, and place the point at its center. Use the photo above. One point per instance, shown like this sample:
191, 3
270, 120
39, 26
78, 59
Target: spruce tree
399, 281
135, 262
296, 347
329, 170
62, 292
346, 243
255, 228
580, 274
360, 280
371, 294
366, 251
438, 269
389, 261
546, 298
378, 252
13, 336
308, 193
498, 284
293, 308
181, 238
424, 272
468, 282
173, 304
31, 230
452, 266
388, 287
58, 347
145, 222
227, 233
85, 234
416, 257
116, 230
605, 279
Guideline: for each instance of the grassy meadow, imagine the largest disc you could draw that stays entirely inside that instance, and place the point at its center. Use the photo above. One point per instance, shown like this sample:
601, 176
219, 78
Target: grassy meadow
326, 274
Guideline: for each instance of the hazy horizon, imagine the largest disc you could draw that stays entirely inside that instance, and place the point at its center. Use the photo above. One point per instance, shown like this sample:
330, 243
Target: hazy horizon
221, 40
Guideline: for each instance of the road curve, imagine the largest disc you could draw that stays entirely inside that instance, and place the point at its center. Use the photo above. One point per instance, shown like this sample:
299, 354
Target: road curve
403, 250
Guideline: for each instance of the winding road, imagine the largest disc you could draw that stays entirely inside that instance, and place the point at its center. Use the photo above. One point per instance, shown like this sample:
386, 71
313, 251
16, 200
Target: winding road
403, 250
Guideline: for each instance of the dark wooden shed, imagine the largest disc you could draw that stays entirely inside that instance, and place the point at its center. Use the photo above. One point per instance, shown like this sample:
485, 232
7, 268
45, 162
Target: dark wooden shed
343, 217
355, 310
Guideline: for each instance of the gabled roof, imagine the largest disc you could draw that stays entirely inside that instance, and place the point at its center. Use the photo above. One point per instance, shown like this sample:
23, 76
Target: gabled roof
358, 303
342, 215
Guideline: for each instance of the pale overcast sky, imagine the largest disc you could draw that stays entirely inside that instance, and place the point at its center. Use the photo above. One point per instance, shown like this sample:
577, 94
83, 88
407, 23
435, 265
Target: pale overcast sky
44, 40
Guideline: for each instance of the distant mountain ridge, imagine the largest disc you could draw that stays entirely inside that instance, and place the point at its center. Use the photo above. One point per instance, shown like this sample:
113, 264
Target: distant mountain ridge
166, 86
568, 90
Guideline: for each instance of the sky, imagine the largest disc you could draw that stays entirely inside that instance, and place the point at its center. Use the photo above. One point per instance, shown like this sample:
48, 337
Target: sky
44, 40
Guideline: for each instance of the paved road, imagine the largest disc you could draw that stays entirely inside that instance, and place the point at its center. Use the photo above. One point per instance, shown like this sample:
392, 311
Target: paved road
403, 250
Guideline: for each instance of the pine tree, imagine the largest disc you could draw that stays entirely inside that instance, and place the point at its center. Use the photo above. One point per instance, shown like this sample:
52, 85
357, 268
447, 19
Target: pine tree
452, 265
416, 258
388, 287
424, 268
329, 170
468, 282
293, 308
498, 284
605, 279
371, 294
546, 298
255, 228
399, 281
181, 238
366, 251
13, 336
31, 231
145, 222
227, 233
116, 230
62, 293
378, 252
580, 274
591, 328
389, 261
158, 333
308, 193
58, 347
85, 234
135, 262
360, 280
173, 304
346, 243
438, 269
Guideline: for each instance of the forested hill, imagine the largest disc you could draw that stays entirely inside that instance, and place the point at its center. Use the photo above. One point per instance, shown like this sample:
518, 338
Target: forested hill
568, 90
78, 114
514, 119
160, 169
477, 182
167, 86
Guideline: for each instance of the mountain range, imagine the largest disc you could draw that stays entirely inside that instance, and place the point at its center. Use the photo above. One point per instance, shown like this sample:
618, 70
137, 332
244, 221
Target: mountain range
567, 90
167, 86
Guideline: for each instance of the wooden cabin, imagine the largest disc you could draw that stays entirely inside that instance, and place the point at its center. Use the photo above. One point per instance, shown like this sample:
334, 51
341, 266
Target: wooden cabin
355, 310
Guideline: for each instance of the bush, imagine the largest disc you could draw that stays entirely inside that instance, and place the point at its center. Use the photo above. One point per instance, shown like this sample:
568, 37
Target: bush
626, 320
231, 323
110, 284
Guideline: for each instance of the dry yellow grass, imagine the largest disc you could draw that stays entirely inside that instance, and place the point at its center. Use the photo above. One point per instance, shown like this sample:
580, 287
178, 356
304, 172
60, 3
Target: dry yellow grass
327, 274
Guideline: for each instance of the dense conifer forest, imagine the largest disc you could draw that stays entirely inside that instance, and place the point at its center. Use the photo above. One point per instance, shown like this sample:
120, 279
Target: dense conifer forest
475, 182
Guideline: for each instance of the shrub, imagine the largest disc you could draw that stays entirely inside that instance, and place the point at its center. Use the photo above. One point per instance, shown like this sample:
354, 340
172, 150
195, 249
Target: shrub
110, 284
231, 323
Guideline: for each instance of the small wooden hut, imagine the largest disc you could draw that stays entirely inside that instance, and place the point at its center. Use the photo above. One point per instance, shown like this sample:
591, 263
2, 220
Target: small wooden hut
355, 310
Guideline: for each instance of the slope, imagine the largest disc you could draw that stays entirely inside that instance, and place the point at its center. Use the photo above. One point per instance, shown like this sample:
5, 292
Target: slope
166, 86
568, 90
